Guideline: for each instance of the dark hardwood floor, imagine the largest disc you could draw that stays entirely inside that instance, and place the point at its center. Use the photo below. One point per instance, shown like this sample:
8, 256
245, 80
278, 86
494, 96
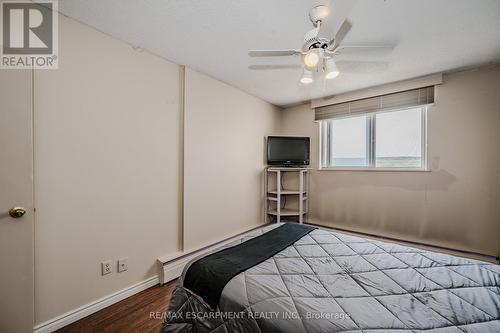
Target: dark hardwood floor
130, 315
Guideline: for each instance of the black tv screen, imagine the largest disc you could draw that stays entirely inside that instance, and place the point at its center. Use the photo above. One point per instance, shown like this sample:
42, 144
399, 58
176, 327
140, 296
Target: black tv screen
287, 150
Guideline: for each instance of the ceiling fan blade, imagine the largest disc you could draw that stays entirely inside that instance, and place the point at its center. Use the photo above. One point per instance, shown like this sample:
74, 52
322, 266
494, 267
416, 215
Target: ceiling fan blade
345, 49
273, 53
341, 33
361, 67
265, 67
329, 29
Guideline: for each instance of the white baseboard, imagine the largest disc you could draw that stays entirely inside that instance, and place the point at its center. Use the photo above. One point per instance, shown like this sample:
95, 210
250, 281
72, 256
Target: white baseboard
171, 268
90, 308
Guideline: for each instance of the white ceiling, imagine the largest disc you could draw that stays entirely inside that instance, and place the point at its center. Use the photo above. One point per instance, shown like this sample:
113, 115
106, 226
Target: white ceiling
214, 37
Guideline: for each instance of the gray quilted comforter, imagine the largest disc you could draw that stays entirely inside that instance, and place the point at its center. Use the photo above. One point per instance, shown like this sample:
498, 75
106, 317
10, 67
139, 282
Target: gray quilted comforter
333, 282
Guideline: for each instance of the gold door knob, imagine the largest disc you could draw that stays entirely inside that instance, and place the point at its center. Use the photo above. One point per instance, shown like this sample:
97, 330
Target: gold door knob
17, 212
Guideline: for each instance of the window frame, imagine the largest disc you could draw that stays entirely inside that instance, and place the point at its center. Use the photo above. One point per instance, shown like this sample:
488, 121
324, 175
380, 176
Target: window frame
371, 119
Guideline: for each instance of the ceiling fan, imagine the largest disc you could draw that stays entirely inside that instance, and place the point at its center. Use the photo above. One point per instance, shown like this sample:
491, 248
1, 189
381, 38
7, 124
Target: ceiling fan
321, 45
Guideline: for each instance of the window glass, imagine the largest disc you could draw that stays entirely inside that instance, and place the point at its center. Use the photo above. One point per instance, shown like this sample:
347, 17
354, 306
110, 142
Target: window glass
349, 142
399, 139
393, 139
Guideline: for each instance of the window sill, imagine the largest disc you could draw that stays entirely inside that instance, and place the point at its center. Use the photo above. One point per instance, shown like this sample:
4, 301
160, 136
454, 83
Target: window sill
376, 169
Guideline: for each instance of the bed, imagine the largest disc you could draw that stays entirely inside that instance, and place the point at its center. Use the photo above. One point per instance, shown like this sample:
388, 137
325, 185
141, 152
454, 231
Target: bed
328, 281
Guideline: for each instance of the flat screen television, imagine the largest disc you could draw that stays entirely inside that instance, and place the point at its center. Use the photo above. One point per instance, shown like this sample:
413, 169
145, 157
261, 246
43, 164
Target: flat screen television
288, 150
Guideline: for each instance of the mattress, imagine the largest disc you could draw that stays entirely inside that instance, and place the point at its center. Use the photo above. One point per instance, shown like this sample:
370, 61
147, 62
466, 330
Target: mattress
333, 282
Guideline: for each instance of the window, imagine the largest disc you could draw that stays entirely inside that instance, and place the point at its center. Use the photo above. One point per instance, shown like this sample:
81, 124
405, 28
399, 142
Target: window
349, 143
384, 140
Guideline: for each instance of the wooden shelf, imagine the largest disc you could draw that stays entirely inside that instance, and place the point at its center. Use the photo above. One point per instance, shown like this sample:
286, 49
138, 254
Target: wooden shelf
274, 200
285, 192
295, 169
285, 212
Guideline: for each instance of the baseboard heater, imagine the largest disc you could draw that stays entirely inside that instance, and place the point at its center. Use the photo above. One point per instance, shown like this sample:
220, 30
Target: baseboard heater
171, 266
424, 246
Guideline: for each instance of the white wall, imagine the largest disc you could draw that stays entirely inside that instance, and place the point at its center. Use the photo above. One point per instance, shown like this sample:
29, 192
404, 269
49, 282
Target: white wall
107, 165
224, 159
456, 205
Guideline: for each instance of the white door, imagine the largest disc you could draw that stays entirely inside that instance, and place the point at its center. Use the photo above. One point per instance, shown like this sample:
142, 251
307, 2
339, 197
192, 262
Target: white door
16, 190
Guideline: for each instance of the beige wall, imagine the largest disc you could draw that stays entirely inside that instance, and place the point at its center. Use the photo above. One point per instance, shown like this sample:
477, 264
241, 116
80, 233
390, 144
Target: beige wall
456, 205
224, 159
107, 147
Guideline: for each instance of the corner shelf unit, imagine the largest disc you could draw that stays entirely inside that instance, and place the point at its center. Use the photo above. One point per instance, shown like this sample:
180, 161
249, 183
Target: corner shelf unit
275, 198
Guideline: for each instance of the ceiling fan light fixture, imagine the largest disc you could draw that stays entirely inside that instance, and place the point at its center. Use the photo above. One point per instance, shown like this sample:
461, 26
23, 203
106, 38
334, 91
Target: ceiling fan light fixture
312, 58
306, 77
332, 75
331, 70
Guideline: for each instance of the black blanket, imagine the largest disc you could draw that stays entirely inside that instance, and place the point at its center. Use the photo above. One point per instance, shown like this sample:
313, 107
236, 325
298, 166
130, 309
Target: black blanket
208, 276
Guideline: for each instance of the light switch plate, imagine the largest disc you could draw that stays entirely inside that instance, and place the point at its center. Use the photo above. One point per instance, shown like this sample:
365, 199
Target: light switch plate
122, 265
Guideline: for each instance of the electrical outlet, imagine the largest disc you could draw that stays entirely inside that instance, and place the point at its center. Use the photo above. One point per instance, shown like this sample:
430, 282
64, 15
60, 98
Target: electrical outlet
122, 265
106, 267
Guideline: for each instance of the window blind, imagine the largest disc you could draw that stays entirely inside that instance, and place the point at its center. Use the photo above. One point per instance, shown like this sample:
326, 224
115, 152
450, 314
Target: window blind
399, 100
